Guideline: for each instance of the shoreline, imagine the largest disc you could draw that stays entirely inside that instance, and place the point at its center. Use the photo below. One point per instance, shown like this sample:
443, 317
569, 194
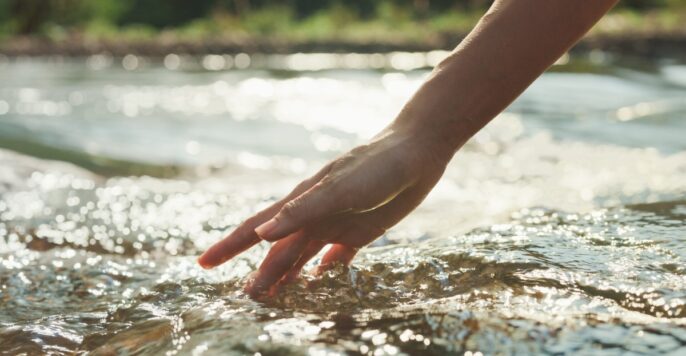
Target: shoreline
643, 45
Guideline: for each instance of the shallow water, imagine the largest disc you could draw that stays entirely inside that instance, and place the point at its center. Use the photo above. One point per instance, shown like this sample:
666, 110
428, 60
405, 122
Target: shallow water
560, 228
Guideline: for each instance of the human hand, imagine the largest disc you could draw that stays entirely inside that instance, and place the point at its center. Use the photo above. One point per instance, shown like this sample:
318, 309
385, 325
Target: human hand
349, 203
355, 198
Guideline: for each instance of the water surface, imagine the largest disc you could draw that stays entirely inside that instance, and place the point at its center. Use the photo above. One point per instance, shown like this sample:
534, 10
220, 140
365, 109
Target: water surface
558, 229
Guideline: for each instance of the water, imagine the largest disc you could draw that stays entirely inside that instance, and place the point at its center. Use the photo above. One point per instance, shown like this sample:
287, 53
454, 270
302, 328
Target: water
560, 228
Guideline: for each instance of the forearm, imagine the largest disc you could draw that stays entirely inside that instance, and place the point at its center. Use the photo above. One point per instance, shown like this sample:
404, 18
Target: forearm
510, 47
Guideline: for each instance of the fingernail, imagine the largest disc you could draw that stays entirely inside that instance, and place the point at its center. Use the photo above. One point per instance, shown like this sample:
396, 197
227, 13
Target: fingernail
265, 230
203, 264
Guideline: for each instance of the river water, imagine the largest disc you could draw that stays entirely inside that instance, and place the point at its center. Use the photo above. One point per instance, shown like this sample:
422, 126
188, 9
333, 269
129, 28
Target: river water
560, 228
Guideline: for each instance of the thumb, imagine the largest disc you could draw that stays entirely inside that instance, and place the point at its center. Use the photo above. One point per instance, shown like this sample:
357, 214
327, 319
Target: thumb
316, 203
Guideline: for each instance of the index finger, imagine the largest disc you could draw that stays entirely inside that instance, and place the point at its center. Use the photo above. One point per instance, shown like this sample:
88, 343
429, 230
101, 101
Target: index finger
238, 241
244, 237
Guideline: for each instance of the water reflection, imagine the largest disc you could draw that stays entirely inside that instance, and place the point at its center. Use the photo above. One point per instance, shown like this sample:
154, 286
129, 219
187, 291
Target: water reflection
114, 271
537, 240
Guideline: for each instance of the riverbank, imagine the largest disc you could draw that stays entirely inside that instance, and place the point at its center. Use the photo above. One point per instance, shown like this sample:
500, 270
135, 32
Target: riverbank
658, 44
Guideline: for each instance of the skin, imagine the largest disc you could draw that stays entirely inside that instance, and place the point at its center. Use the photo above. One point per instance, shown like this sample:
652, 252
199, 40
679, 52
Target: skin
355, 198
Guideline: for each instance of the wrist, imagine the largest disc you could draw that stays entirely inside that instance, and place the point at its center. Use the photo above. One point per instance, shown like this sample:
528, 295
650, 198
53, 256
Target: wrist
444, 133
438, 145
447, 108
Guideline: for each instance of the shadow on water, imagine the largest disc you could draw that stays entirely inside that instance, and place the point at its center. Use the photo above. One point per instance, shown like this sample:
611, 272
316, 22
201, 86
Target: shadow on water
102, 165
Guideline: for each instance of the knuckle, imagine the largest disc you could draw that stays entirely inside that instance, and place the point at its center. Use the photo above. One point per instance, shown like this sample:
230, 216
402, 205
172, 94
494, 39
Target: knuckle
358, 150
291, 209
302, 185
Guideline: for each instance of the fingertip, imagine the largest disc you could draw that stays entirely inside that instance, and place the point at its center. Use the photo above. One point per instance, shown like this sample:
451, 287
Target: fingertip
248, 286
255, 285
281, 257
258, 290
212, 258
202, 261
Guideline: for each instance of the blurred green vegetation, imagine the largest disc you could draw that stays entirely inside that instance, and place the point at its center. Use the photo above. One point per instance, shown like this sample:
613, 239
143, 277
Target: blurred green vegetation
286, 19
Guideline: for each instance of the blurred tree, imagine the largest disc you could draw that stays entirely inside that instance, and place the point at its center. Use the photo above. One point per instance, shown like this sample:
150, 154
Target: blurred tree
31, 16
165, 13
28, 16
5, 26
110, 11
643, 4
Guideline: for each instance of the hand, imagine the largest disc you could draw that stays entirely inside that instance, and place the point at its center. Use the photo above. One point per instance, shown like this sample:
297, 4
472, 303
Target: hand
349, 203
355, 198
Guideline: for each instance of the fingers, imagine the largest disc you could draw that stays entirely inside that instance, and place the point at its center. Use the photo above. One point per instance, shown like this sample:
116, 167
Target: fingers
238, 241
366, 227
281, 258
362, 181
244, 236
316, 203
339, 254
312, 249
267, 277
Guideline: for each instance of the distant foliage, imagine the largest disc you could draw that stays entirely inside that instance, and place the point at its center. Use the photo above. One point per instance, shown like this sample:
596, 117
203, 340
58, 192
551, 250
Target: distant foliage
35, 16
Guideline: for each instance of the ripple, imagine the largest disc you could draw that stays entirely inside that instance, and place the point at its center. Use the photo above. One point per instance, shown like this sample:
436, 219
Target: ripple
531, 244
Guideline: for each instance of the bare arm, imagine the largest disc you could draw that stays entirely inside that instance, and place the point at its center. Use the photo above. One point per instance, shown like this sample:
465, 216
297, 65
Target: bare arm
507, 50
355, 198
